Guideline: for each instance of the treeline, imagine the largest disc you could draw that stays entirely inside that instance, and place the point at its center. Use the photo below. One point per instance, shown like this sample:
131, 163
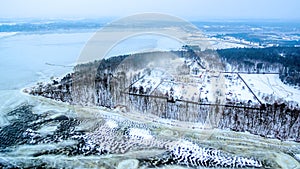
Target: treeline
271, 120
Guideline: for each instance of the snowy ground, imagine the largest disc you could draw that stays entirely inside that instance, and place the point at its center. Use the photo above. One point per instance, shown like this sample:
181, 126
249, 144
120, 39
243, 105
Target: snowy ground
199, 89
230, 42
236, 90
180, 90
268, 88
150, 81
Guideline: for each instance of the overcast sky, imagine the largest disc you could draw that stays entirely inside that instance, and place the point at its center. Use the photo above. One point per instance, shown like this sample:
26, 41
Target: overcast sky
188, 9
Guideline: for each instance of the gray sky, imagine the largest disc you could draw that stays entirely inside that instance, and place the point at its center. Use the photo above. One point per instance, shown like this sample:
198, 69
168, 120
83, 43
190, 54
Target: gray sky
188, 9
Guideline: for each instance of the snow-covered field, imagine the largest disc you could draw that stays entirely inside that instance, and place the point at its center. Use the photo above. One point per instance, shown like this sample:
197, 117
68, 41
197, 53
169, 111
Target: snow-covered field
236, 90
268, 88
150, 81
201, 87
230, 42
179, 90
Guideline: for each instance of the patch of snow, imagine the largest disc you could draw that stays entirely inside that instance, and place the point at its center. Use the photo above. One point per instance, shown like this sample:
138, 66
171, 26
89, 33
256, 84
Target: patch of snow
5, 34
137, 133
297, 156
47, 130
111, 124
256, 29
